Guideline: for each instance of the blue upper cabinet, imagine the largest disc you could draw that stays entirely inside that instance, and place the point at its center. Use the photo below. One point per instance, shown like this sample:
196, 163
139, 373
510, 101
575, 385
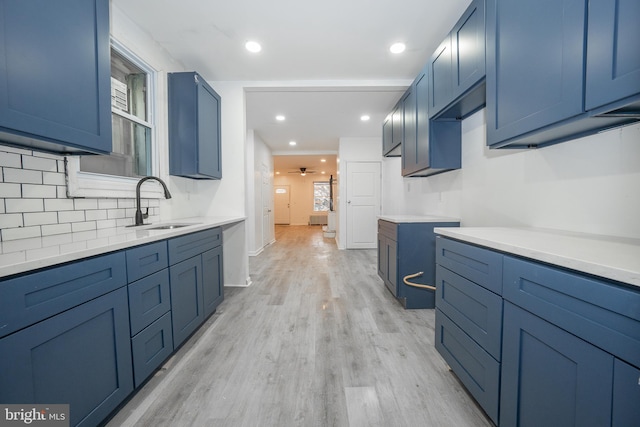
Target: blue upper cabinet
556, 72
55, 75
535, 60
194, 128
613, 53
457, 67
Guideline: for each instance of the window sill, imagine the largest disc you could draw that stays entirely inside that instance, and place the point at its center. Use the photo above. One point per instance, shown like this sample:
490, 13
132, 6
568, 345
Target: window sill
90, 185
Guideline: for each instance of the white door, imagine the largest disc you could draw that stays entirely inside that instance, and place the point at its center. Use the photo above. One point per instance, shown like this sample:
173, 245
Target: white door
363, 204
281, 205
267, 215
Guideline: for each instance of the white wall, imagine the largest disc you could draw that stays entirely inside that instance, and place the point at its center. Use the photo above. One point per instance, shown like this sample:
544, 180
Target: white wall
258, 154
352, 150
590, 184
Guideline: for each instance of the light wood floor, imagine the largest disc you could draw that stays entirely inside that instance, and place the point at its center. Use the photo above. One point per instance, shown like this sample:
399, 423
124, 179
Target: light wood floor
316, 340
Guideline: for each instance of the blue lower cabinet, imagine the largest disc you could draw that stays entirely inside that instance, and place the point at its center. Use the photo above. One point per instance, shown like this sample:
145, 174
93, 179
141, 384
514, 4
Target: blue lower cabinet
151, 347
149, 298
187, 308
478, 371
212, 283
81, 357
550, 377
626, 395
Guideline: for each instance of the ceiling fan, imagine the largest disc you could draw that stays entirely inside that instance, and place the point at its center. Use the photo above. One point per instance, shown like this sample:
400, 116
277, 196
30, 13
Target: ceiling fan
303, 171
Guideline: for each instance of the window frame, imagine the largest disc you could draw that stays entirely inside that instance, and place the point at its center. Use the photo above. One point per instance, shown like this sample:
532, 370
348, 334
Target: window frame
96, 185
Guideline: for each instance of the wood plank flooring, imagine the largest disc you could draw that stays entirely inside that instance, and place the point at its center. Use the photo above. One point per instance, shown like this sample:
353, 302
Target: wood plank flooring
316, 340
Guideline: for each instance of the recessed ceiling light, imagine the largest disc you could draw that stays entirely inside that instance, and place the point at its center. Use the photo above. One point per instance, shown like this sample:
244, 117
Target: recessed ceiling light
322, 172
364, 118
292, 143
277, 173
253, 46
397, 47
280, 118
323, 160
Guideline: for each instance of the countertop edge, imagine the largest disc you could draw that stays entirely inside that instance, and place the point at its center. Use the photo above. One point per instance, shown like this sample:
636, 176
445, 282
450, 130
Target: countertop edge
400, 219
618, 273
119, 238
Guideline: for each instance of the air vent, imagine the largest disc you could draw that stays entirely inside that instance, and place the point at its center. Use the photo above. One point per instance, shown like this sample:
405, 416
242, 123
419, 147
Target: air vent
119, 95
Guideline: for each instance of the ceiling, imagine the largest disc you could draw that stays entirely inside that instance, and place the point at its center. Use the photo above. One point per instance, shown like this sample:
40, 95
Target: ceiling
323, 64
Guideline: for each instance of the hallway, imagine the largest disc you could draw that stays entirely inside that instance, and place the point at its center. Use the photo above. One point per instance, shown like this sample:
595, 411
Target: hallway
316, 340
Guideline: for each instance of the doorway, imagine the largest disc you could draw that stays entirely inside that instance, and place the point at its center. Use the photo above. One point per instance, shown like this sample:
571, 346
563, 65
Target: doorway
363, 204
282, 205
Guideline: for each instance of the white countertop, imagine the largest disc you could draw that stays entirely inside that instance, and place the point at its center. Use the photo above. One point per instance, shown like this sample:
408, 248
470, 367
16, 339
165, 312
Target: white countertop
416, 218
19, 256
609, 257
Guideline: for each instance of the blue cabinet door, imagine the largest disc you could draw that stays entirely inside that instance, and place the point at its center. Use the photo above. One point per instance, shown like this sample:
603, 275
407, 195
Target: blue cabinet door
55, 75
194, 127
409, 142
151, 347
626, 395
212, 280
613, 51
468, 49
397, 119
535, 65
80, 357
440, 81
550, 377
187, 310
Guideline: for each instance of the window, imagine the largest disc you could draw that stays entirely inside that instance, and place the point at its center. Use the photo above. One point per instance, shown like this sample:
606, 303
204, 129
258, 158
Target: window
320, 196
133, 132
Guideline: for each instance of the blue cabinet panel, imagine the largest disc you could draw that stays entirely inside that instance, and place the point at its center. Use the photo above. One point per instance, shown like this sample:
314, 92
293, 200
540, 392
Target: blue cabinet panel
409, 142
440, 75
33, 297
550, 377
468, 49
474, 309
187, 309
147, 259
613, 52
567, 299
535, 59
81, 357
626, 395
194, 127
479, 265
478, 371
212, 280
151, 347
189, 245
149, 298
55, 75
387, 135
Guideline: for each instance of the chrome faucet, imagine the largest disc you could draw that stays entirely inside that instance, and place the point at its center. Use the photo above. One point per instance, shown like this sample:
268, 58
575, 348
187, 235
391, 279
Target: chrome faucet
139, 216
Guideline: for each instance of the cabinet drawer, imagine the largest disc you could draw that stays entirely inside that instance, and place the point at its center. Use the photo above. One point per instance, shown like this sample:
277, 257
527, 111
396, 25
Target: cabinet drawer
388, 229
481, 266
149, 298
478, 371
190, 245
33, 297
147, 259
604, 314
474, 309
151, 347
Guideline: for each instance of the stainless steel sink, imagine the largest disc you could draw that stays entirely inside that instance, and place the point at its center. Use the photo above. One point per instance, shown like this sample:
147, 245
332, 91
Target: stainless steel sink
167, 226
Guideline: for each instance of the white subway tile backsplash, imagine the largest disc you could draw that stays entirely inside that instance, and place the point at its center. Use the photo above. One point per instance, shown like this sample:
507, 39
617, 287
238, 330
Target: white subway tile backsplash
49, 230
40, 218
23, 205
11, 220
20, 233
92, 215
107, 203
70, 216
58, 205
11, 160
53, 178
83, 226
34, 205
22, 176
39, 163
32, 191
84, 204
10, 190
